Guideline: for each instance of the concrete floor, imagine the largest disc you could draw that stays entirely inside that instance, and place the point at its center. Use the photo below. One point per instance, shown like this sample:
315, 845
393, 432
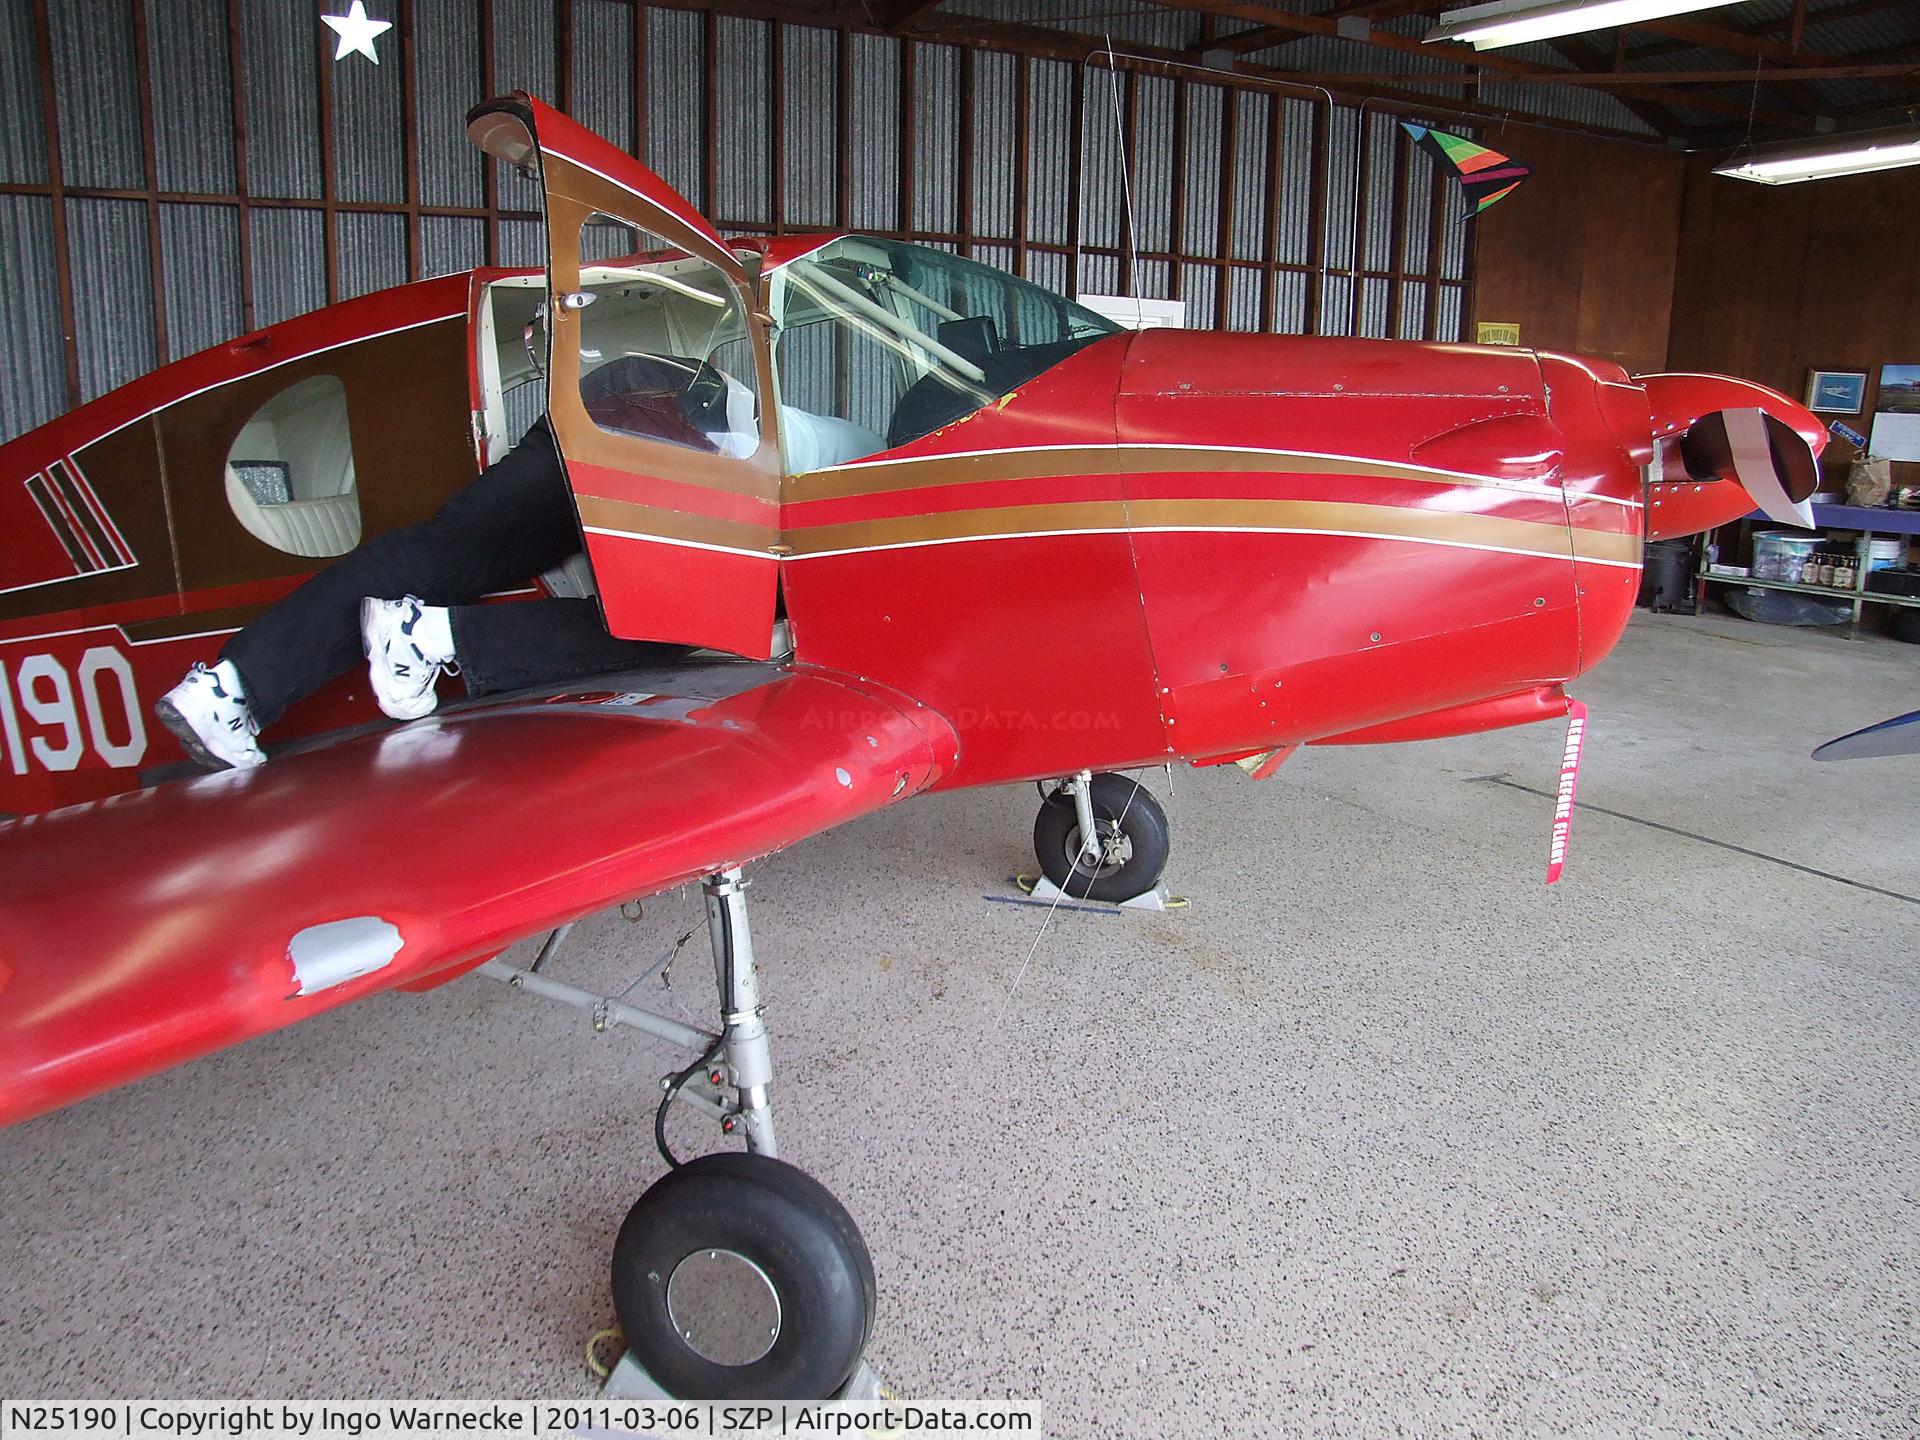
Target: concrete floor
1379, 1135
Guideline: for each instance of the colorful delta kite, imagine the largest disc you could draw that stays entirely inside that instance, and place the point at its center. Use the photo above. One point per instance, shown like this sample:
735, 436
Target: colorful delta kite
1486, 175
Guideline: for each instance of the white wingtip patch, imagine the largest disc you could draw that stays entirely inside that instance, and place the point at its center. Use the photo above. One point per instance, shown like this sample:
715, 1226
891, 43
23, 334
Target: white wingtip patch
331, 954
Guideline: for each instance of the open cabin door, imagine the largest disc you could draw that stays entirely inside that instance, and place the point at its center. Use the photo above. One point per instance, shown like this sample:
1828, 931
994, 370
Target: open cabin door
659, 389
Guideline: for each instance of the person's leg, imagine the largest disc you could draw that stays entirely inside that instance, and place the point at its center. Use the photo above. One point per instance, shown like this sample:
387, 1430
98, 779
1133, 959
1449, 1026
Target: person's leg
520, 644
514, 521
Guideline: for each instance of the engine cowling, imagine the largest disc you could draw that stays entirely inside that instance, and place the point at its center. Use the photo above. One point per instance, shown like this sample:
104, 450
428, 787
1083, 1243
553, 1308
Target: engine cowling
1725, 447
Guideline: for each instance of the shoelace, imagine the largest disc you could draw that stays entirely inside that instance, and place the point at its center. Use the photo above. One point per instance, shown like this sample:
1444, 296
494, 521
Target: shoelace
405, 672
243, 717
449, 665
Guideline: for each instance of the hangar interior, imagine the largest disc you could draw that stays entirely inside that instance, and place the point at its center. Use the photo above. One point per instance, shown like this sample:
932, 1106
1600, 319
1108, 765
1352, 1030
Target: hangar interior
1376, 1133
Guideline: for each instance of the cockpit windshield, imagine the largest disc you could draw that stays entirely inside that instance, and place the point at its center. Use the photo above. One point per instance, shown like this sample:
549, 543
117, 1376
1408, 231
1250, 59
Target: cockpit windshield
901, 339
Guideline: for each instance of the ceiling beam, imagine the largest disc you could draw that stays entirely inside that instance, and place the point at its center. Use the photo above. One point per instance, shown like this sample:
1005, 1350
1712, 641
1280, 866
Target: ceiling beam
1247, 41
1380, 9
1907, 51
1285, 21
1153, 60
1797, 26
1878, 109
1583, 56
901, 14
1734, 42
1762, 28
1641, 79
1689, 33
1790, 51
1503, 66
1856, 10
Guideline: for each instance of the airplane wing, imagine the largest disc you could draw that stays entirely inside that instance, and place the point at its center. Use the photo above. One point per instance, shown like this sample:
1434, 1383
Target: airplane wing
145, 930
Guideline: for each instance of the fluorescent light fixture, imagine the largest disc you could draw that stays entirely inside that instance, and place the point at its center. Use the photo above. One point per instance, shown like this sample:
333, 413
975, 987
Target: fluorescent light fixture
1515, 22
1832, 155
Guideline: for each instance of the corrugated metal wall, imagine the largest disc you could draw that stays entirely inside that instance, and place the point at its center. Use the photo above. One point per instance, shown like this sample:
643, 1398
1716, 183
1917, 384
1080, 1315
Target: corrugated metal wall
196, 189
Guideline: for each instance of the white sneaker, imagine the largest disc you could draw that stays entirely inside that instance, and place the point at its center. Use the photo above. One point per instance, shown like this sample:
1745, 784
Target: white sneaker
407, 645
209, 715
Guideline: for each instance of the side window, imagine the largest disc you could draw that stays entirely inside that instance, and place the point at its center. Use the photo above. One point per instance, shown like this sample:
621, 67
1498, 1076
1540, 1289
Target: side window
833, 370
290, 477
899, 340
664, 353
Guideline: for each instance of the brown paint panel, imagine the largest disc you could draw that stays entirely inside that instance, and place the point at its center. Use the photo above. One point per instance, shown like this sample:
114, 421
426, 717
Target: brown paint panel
408, 412
194, 622
124, 470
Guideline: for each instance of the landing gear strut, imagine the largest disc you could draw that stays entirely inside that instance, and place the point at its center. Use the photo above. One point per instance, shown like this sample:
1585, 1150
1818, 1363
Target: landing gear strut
735, 1276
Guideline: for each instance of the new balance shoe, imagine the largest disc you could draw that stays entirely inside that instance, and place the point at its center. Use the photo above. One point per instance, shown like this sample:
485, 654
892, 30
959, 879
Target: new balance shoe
407, 645
209, 715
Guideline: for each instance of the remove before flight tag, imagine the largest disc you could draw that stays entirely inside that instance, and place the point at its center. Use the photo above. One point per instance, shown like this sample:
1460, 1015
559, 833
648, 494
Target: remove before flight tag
1569, 778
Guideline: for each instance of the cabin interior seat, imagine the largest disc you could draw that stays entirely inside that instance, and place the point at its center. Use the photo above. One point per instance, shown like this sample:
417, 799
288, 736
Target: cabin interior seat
317, 529
303, 432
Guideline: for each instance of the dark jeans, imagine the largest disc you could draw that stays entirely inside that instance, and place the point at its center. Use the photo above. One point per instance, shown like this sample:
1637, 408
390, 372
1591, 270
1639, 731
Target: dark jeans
515, 521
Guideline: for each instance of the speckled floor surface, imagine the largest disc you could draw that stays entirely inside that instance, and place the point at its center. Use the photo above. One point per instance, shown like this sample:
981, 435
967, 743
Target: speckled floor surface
1380, 1135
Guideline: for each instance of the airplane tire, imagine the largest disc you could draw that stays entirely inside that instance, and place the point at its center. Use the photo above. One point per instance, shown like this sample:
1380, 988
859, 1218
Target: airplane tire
1056, 841
761, 1264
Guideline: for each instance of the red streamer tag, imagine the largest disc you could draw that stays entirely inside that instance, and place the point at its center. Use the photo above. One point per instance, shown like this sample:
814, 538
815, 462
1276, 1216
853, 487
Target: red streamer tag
1569, 778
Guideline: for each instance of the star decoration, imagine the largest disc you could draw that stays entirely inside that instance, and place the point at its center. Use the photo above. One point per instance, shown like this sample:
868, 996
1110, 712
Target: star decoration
357, 33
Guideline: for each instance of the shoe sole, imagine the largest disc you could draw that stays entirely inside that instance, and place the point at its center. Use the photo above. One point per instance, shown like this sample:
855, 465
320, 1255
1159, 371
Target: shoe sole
169, 715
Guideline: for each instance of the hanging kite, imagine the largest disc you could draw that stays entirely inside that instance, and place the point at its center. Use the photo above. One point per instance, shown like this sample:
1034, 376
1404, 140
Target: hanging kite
1486, 175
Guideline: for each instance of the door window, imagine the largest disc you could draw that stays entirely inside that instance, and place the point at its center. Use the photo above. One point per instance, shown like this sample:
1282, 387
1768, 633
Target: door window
664, 352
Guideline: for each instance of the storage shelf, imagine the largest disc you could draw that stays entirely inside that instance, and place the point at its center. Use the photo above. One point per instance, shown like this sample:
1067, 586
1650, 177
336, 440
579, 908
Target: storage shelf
1872, 597
1868, 522
1874, 519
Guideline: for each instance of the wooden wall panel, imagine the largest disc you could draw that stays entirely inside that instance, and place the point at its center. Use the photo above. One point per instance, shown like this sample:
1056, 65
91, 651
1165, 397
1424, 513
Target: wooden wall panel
1582, 256
1775, 280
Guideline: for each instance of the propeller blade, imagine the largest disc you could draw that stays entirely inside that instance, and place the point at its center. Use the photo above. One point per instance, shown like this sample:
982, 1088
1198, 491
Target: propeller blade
1772, 461
1754, 468
1898, 736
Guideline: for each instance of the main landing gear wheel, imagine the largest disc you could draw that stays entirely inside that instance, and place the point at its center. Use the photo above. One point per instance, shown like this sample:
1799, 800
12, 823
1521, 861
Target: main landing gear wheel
1131, 830
739, 1277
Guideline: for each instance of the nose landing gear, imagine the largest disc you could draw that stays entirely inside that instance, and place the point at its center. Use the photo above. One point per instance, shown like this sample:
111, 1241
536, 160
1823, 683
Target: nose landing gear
1101, 837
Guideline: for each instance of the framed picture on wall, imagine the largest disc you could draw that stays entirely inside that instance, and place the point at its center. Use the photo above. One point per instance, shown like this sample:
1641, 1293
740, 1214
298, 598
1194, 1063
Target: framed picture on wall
1836, 392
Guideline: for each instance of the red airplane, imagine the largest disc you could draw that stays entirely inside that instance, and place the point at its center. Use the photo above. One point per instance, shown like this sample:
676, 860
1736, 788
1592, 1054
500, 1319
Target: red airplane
932, 527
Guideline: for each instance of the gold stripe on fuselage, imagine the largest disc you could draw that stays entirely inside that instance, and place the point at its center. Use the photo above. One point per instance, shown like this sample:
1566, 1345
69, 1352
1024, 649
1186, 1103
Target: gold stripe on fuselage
1046, 462
624, 517
1272, 516
1385, 522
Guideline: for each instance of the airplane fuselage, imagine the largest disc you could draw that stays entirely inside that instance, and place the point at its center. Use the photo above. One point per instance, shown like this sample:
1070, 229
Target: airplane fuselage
1177, 545
1170, 545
